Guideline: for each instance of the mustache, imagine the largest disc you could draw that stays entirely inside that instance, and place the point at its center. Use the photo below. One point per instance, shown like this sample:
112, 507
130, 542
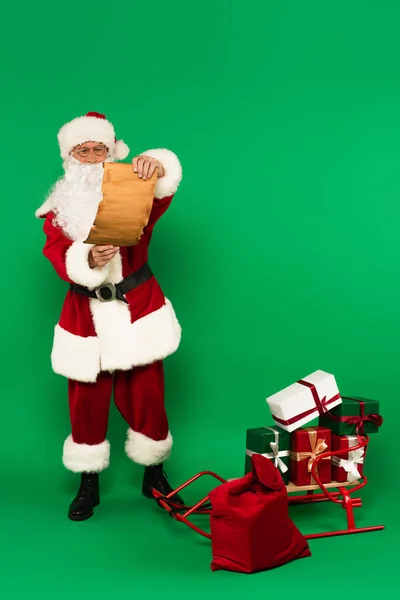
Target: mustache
72, 163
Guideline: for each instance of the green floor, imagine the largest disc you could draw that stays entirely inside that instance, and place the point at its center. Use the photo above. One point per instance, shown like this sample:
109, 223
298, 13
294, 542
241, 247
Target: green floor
132, 547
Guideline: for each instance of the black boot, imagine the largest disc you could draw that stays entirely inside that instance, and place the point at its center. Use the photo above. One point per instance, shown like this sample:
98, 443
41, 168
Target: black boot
87, 498
155, 477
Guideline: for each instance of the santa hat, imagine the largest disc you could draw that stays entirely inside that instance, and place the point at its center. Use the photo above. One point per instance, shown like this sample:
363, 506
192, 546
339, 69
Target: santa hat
93, 127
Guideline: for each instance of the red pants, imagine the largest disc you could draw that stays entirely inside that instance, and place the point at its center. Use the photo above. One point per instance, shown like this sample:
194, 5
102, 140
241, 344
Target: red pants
139, 397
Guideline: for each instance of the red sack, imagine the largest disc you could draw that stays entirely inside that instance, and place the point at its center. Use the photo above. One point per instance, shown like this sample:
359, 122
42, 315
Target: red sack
250, 526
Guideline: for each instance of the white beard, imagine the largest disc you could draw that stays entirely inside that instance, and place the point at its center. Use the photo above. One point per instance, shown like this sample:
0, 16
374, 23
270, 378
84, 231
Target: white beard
75, 198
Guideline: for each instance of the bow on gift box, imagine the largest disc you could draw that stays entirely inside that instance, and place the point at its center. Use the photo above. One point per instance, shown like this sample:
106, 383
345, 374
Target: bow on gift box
278, 462
276, 453
317, 447
359, 420
321, 405
355, 457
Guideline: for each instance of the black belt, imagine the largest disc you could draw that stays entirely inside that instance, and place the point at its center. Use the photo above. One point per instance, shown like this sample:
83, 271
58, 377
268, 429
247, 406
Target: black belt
115, 291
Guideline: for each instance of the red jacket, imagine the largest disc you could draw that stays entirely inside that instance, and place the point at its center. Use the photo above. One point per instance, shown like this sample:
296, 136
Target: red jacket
92, 336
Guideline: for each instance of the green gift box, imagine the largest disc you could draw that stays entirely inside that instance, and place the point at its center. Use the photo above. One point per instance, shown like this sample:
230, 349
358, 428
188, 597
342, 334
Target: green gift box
353, 415
271, 442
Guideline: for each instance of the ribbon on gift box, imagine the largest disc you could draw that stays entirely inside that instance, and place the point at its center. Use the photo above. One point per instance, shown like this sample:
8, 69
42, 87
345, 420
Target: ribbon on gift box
359, 420
276, 454
321, 404
355, 457
317, 446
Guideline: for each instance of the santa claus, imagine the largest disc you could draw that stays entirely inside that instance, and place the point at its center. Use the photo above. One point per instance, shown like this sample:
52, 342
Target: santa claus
109, 343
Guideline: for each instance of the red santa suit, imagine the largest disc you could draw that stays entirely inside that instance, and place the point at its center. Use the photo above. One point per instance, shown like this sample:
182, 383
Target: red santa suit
114, 346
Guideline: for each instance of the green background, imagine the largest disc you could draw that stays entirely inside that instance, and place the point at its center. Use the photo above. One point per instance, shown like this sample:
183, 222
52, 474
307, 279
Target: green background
280, 254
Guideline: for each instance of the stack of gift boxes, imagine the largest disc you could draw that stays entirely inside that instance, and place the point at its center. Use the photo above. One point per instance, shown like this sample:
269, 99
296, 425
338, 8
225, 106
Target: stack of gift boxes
293, 447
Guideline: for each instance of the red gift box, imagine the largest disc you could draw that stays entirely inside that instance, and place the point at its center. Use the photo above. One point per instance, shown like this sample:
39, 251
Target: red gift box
347, 466
306, 444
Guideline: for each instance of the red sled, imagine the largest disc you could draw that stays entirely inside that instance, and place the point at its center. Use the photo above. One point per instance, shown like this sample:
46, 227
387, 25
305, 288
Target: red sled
256, 483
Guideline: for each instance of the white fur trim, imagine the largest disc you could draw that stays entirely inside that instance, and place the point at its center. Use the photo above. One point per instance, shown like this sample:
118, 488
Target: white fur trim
77, 266
167, 185
115, 265
124, 345
119, 345
89, 129
75, 357
121, 150
81, 458
43, 210
145, 451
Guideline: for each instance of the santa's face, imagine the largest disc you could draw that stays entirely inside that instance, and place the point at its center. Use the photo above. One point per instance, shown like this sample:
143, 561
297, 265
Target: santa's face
90, 152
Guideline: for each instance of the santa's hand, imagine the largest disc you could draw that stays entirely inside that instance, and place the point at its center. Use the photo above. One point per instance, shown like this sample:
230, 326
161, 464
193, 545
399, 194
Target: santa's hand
100, 256
145, 166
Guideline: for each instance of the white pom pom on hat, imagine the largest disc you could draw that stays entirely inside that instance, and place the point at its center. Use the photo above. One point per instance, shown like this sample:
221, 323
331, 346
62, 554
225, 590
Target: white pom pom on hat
92, 127
121, 150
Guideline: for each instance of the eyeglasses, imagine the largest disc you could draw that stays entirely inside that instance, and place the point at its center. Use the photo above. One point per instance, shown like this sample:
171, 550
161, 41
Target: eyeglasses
84, 151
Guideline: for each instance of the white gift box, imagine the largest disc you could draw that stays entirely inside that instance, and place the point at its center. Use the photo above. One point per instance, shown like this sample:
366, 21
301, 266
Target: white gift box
304, 400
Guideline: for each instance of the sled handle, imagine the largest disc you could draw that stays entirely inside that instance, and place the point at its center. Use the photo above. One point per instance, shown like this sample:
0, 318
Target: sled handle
170, 506
175, 515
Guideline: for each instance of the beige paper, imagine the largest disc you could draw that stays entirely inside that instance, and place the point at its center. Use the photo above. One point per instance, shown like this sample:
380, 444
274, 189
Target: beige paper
125, 208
